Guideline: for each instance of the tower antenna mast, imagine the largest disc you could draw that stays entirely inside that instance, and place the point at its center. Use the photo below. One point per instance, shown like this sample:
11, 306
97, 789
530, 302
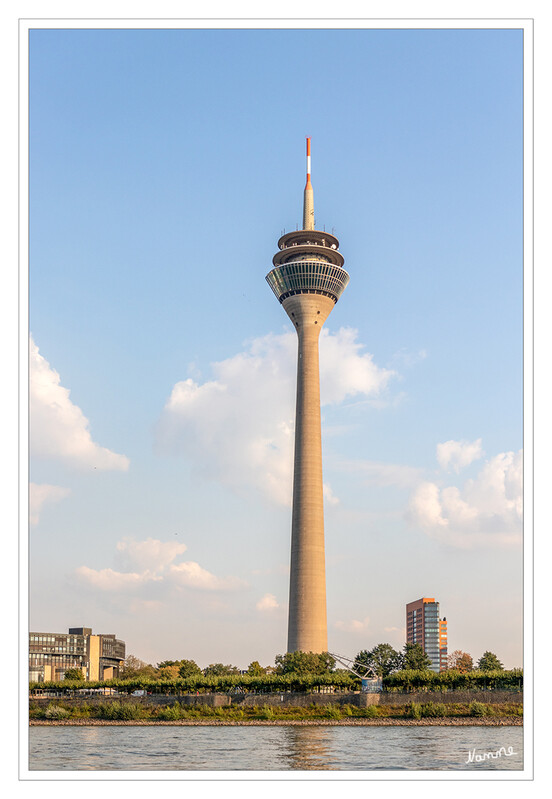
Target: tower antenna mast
308, 197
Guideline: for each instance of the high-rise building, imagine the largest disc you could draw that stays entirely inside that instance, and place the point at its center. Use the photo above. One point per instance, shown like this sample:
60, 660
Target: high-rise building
308, 279
99, 657
424, 627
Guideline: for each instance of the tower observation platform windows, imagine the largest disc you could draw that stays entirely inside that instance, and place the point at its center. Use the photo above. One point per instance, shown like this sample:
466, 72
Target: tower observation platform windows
307, 277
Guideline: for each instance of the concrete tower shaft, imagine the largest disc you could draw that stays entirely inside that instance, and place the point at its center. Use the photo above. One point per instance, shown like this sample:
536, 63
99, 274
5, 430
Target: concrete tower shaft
307, 627
308, 278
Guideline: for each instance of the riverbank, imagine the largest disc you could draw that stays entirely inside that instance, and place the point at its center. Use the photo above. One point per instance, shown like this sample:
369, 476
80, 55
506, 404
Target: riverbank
505, 721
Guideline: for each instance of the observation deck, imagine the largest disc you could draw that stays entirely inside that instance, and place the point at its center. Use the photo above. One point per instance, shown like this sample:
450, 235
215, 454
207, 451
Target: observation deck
308, 262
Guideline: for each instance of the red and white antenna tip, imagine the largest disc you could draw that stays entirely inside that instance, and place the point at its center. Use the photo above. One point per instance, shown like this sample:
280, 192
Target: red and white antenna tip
308, 208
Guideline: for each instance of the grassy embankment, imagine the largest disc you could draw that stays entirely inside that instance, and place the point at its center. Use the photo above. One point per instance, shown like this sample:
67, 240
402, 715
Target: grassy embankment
119, 711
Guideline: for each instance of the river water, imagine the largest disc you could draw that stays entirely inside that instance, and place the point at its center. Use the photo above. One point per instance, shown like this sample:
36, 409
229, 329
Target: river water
258, 748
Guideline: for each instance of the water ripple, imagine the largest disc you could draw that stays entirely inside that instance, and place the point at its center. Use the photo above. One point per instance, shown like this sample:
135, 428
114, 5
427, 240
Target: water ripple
272, 748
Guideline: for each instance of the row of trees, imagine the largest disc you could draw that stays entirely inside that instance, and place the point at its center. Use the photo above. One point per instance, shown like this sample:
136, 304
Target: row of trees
385, 660
382, 659
463, 662
302, 663
338, 681
451, 679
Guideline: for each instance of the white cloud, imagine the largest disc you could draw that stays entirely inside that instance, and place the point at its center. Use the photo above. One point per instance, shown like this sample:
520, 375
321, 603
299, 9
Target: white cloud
354, 625
425, 507
59, 428
238, 428
43, 494
345, 371
149, 555
192, 575
329, 496
267, 603
151, 561
109, 580
487, 510
457, 455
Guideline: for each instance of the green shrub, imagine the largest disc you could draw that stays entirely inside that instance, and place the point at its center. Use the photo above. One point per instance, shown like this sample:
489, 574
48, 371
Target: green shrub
121, 711
370, 712
433, 710
56, 712
172, 712
266, 713
477, 709
414, 710
80, 711
203, 710
332, 712
198, 711
347, 710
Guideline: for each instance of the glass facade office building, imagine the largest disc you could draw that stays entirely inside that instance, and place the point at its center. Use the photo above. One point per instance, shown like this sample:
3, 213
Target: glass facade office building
99, 657
424, 627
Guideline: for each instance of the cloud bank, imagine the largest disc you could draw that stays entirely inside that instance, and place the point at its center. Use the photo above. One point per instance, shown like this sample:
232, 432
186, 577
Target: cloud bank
354, 625
486, 510
150, 555
238, 428
456, 455
59, 428
267, 603
43, 494
146, 563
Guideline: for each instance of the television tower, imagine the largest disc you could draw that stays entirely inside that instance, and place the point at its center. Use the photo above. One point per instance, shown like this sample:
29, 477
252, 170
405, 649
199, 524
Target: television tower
308, 279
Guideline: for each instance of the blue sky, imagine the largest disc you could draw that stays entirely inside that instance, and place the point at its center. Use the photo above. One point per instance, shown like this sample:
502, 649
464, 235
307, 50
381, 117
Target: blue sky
164, 166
